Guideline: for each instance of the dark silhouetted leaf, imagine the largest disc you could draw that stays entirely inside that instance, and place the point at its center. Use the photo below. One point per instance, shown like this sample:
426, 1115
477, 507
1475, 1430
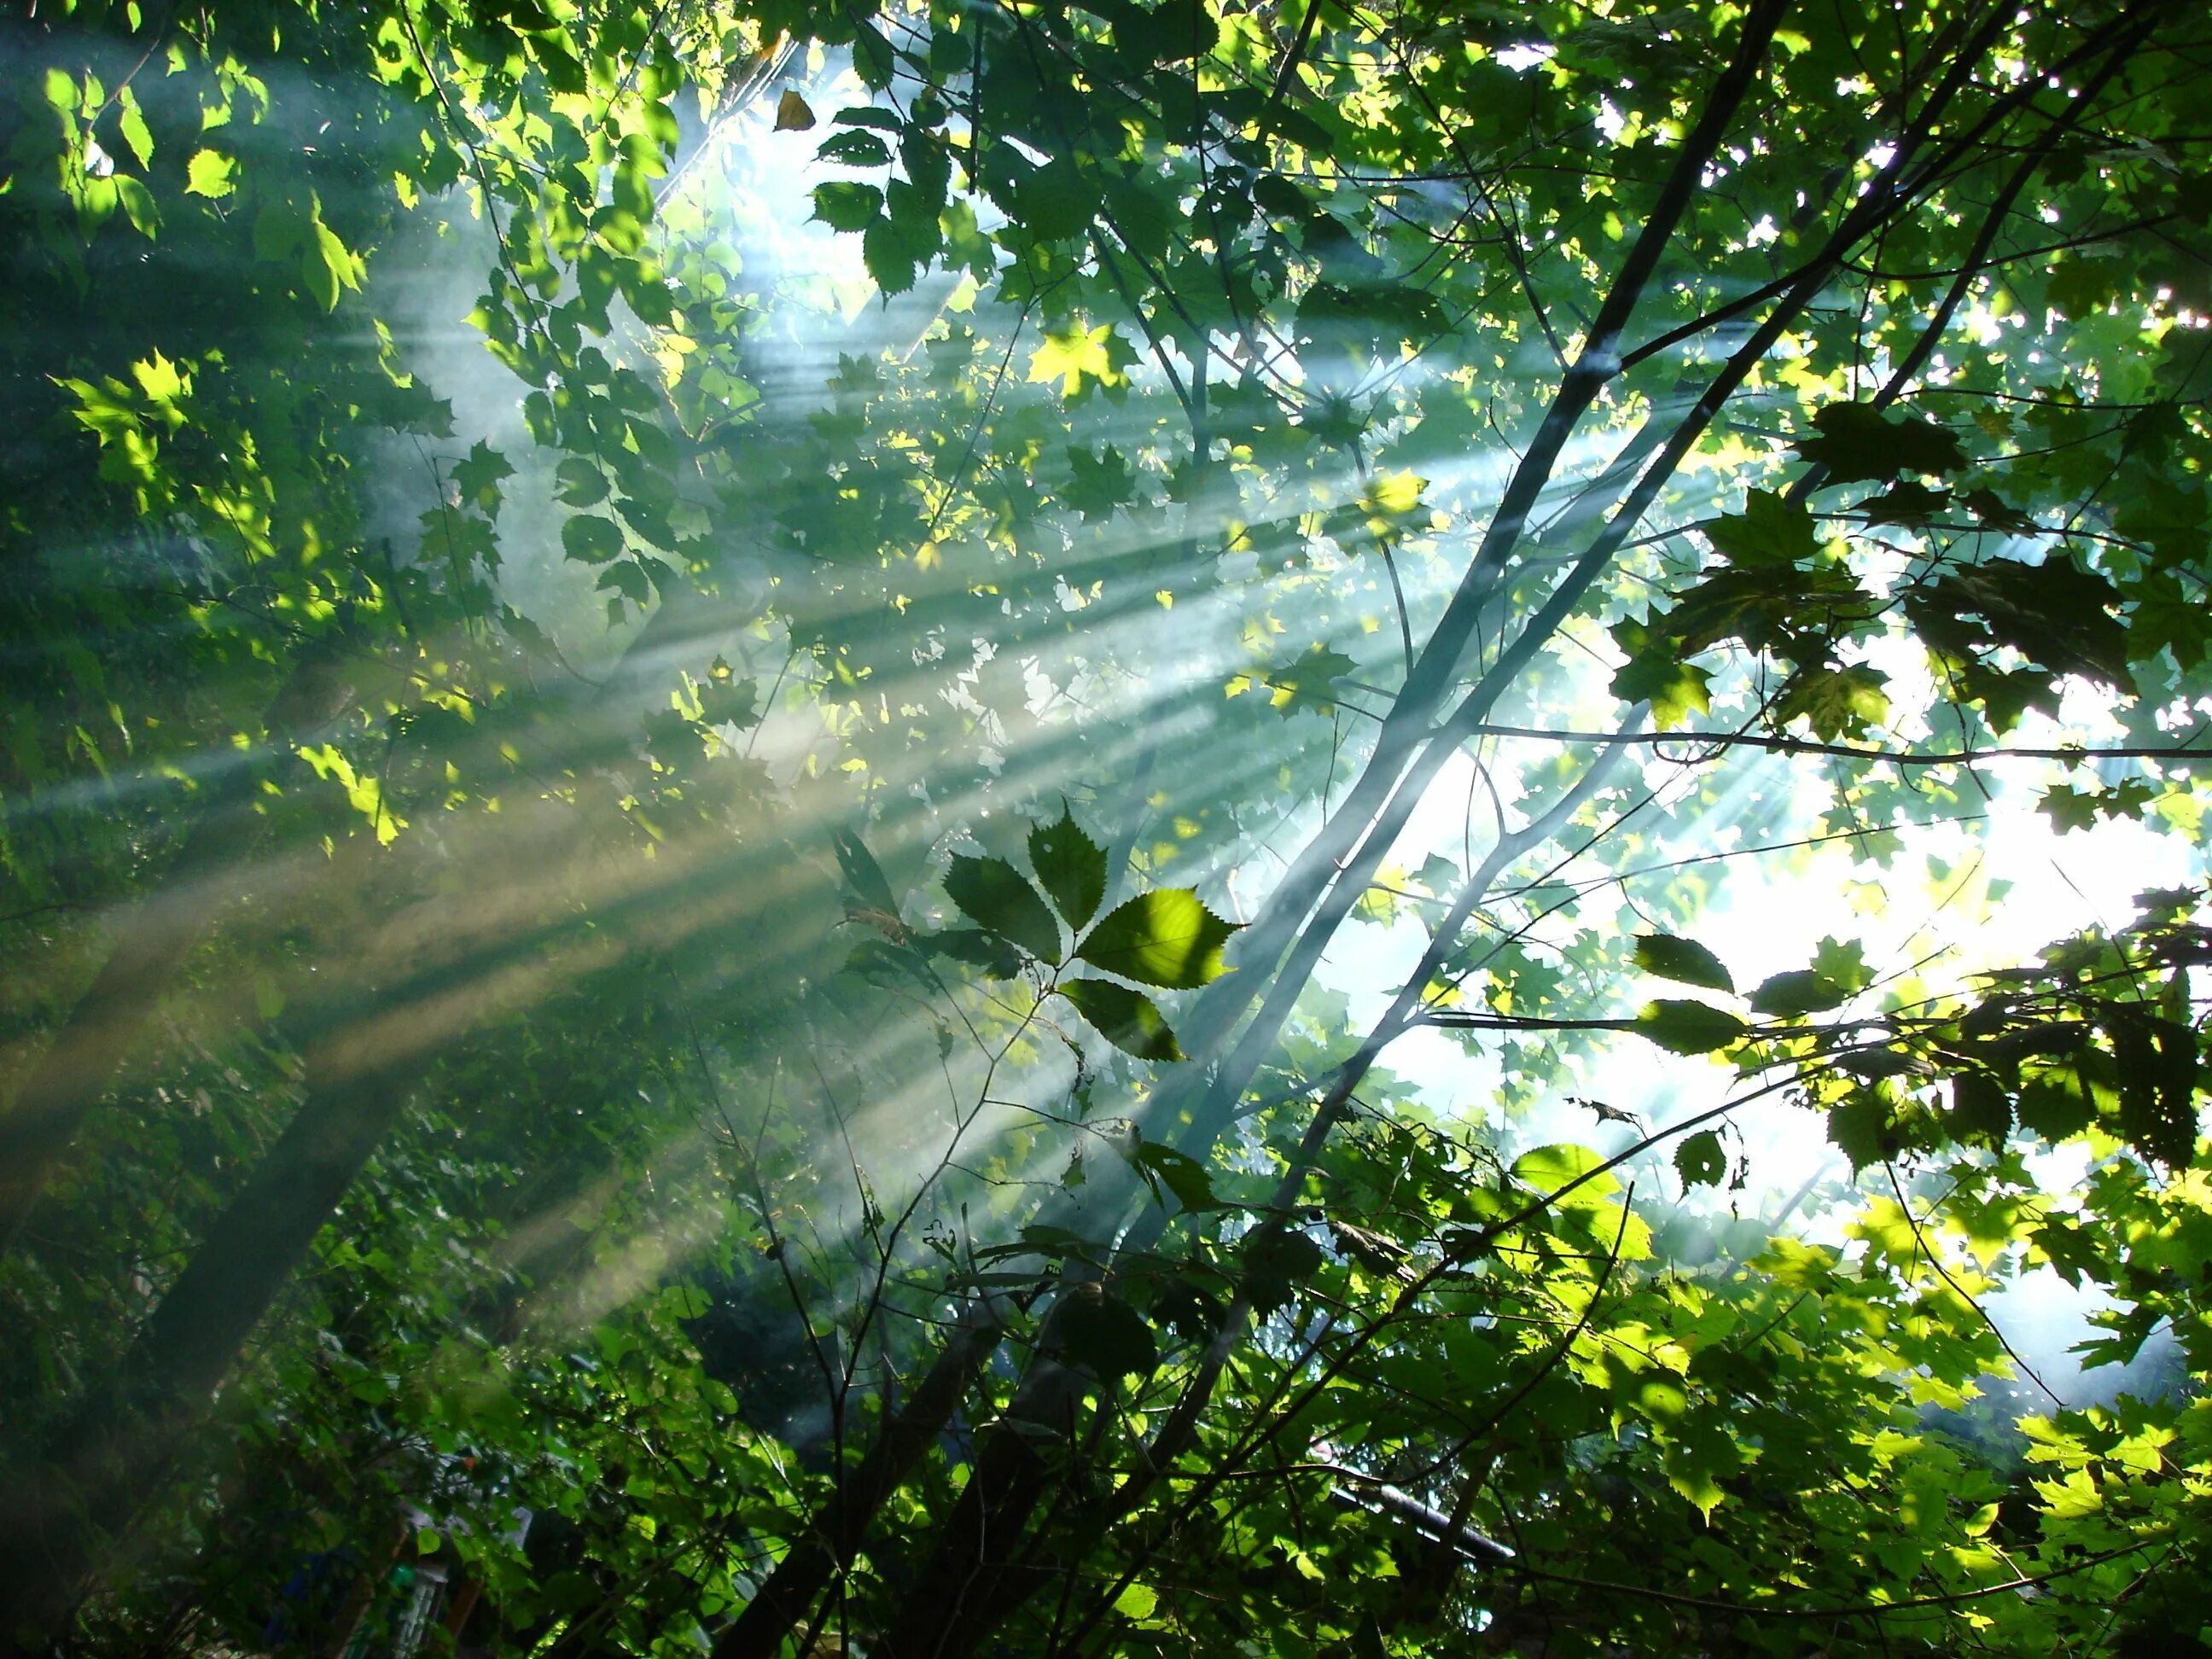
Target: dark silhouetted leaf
864, 877
1276, 1260
845, 205
1125, 1017
1180, 1173
1688, 1028
994, 894
590, 540
1681, 960
1857, 442
1071, 867
978, 949
1795, 994
1700, 1161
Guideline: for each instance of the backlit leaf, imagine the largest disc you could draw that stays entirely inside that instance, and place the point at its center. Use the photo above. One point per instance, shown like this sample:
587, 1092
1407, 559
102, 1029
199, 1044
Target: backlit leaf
1166, 937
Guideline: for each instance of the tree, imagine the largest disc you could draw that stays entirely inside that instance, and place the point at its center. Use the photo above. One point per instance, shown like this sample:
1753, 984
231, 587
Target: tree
837, 1088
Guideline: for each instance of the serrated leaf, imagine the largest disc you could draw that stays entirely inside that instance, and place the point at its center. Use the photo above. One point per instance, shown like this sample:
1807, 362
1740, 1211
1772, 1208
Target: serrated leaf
854, 149
844, 205
1309, 683
1125, 1017
1688, 1028
1700, 1160
1979, 1109
986, 952
1769, 532
1795, 994
579, 483
1836, 703
1553, 1168
1071, 867
1137, 1601
136, 133
1673, 688
589, 539
211, 173
1071, 356
995, 894
478, 476
1857, 442
1166, 938
1684, 961
1860, 1128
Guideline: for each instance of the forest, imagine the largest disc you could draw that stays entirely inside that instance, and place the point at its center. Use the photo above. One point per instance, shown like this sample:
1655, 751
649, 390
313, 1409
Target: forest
1016, 829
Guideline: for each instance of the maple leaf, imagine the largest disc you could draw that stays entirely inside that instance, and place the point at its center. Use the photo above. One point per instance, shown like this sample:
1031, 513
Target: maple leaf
1070, 357
1097, 484
1309, 682
1857, 442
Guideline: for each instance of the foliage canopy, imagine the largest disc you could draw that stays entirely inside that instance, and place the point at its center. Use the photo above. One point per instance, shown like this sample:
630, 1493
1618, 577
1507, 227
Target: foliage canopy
824, 826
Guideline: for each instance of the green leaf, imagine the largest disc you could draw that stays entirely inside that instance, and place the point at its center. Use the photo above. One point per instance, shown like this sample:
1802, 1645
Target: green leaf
896, 248
1557, 1167
1682, 960
865, 881
1276, 1260
1657, 676
1980, 1110
137, 205
1861, 1128
480, 475
855, 149
579, 483
1071, 356
986, 953
136, 133
2077, 809
1097, 484
1180, 29
1700, 1161
1137, 1601
589, 539
1166, 938
1793, 995
847, 205
1688, 1028
1857, 442
628, 578
1309, 683
994, 894
1836, 703
1072, 867
1769, 533
211, 173
1100, 1332
1125, 1017
1181, 1174
1844, 963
